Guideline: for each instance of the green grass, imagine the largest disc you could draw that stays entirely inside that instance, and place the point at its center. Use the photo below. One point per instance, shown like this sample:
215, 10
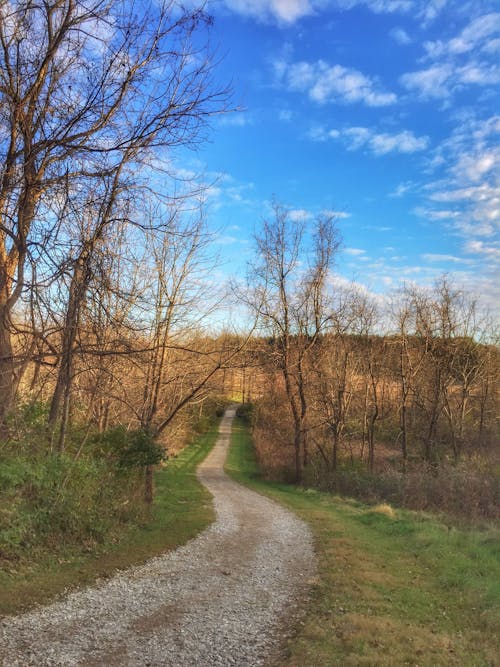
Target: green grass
393, 588
182, 508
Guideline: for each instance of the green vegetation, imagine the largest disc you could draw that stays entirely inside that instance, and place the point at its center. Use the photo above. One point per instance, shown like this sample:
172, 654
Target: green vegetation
182, 508
394, 587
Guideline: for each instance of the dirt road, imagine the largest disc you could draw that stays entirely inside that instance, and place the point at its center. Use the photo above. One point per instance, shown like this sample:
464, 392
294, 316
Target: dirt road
222, 599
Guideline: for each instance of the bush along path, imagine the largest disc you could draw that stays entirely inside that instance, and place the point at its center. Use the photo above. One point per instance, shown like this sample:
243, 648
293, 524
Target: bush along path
225, 598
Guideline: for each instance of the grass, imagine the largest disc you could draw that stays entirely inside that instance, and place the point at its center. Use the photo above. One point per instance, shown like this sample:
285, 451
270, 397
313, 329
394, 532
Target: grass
181, 510
394, 587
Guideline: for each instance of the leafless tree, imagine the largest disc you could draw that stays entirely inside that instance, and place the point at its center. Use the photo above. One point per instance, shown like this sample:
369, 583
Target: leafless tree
82, 85
288, 294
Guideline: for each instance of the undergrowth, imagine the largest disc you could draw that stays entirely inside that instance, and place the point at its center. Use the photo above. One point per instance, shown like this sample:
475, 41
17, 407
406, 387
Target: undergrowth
65, 521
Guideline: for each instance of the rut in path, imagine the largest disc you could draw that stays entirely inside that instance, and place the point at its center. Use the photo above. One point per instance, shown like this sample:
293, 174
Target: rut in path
222, 599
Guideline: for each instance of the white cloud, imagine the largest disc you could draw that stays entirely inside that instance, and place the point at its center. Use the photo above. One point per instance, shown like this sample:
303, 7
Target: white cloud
332, 83
431, 9
283, 11
378, 6
474, 167
460, 61
340, 215
299, 215
491, 251
356, 252
379, 143
442, 80
430, 82
400, 36
238, 119
470, 38
287, 12
402, 189
431, 214
436, 257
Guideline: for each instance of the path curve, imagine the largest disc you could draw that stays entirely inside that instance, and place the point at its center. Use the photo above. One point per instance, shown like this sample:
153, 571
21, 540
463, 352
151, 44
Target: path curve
222, 599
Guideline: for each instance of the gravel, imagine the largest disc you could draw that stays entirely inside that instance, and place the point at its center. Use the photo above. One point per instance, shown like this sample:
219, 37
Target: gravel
228, 597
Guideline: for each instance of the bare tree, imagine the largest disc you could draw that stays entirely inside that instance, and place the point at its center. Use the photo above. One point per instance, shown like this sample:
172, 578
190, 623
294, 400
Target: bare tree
288, 293
80, 86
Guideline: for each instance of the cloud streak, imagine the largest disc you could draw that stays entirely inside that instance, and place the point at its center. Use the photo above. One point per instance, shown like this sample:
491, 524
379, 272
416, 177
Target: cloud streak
378, 143
467, 59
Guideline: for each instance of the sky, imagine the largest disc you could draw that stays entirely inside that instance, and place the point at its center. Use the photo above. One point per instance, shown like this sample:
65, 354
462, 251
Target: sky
384, 111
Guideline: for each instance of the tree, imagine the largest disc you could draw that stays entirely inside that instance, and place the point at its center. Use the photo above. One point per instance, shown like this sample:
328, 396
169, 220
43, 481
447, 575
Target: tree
83, 86
288, 294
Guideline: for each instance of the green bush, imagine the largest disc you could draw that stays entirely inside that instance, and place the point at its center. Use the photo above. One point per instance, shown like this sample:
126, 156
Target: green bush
202, 417
50, 502
245, 412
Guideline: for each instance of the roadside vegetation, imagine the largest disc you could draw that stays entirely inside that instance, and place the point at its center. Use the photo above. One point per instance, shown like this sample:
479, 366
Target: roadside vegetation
394, 587
35, 573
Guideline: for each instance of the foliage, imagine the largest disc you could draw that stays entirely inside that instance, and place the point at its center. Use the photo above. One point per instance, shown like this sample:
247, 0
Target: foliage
245, 412
204, 415
55, 500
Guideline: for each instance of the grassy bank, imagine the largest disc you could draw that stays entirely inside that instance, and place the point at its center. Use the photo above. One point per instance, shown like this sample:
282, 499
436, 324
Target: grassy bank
182, 508
394, 587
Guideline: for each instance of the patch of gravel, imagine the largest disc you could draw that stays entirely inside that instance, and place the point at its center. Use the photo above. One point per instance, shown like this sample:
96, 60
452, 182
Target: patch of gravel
226, 598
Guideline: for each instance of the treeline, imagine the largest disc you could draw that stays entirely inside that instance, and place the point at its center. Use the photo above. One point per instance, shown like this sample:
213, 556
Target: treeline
408, 416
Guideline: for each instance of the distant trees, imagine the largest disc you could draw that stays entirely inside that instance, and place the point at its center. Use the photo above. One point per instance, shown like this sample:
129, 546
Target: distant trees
415, 398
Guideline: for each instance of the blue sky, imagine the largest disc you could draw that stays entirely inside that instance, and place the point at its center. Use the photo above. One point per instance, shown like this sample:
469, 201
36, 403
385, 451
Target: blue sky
384, 111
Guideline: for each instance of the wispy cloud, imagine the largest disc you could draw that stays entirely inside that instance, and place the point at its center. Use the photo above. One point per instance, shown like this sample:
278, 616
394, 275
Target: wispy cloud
379, 143
402, 189
355, 252
299, 215
325, 83
492, 250
436, 257
339, 215
466, 197
464, 60
400, 36
281, 11
478, 34
378, 6
430, 10
236, 119
287, 12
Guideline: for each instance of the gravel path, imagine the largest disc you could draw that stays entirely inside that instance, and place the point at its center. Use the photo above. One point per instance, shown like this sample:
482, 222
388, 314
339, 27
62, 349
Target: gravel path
225, 598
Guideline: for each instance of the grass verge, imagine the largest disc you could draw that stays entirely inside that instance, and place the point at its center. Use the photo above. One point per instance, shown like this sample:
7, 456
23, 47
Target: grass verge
181, 510
394, 587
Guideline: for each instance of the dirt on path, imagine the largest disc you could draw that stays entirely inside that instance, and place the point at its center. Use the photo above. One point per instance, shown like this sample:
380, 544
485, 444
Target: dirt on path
222, 599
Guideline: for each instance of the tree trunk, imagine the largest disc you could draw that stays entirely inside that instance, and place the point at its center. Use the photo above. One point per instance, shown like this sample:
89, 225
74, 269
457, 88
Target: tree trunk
62, 389
7, 376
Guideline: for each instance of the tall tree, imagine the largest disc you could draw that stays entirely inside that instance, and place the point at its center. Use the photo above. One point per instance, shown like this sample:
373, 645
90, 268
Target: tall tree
288, 290
82, 84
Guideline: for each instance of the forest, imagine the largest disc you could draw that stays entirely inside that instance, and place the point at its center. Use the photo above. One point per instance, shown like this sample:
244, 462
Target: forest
115, 340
